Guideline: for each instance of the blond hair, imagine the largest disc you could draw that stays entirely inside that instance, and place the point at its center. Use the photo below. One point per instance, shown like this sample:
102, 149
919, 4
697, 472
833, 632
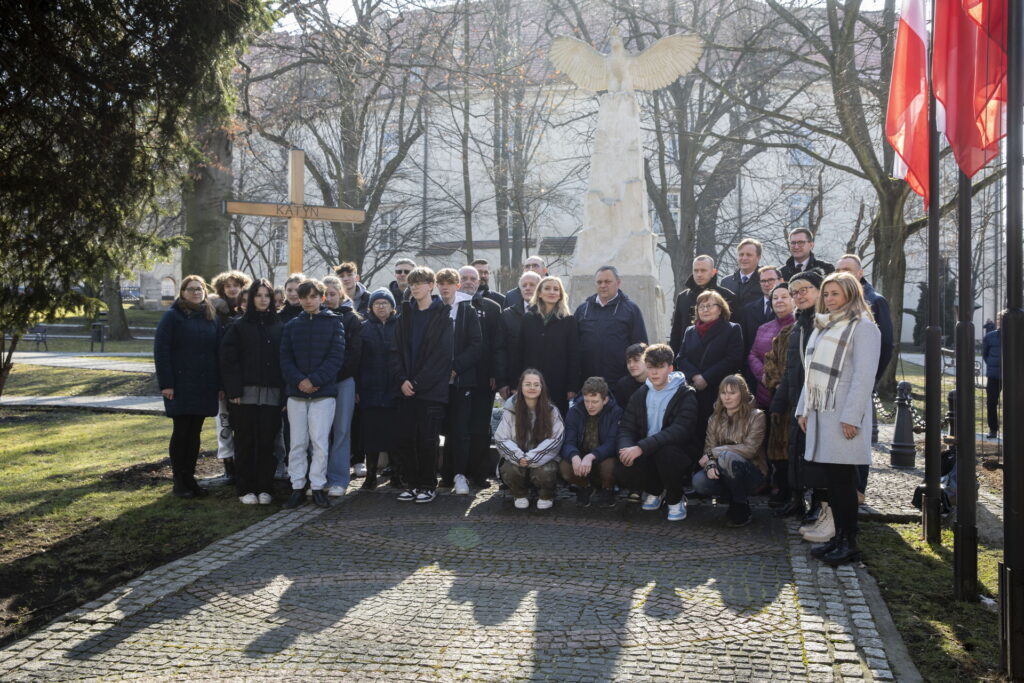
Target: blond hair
855, 306
562, 306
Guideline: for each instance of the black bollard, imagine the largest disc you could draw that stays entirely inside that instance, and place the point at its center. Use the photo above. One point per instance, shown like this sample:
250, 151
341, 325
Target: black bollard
903, 450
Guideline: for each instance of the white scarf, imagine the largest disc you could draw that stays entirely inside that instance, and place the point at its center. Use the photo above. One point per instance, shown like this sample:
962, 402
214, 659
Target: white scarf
824, 359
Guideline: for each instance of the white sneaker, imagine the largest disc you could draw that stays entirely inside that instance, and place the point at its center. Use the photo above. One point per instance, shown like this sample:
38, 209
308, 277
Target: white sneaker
677, 512
249, 499
266, 499
544, 504
806, 528
359, 470
336, 491
461, 485
825, 529
651, 502
521, 503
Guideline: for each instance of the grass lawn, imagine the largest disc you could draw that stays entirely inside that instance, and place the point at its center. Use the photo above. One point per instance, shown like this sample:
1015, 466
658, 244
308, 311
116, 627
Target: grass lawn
42, 380
86, 505
948, 640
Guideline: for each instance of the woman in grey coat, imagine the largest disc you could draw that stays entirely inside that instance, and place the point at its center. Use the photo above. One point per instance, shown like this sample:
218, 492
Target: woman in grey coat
835, 404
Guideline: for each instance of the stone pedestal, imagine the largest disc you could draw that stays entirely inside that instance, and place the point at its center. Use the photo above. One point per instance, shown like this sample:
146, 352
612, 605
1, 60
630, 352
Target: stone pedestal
616, 226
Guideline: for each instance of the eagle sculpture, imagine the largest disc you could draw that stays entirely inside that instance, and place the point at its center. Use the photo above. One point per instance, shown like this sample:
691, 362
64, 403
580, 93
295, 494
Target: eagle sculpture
621, 71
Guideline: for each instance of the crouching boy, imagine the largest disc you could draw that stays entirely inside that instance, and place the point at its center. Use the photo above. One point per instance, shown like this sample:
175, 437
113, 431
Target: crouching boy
589, 448
656, 435
312, 353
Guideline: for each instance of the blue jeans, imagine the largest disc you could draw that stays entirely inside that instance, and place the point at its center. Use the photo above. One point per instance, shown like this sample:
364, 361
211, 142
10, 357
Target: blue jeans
340, 456
737, 478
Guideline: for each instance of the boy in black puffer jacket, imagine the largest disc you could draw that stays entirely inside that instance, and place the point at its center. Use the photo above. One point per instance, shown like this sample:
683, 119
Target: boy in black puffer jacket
312, 353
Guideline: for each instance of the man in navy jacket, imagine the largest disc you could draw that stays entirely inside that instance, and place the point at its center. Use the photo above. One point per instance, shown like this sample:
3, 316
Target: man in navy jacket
608, 323
312, 354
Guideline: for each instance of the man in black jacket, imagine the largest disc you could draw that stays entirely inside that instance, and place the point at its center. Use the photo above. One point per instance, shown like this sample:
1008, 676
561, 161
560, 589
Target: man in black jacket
482, 398
508, 330
758, 312
422, 364
467, 346
534, 264
704, 277
801, 248
744, 283
656, 435
483, 270
400, 285
609, 322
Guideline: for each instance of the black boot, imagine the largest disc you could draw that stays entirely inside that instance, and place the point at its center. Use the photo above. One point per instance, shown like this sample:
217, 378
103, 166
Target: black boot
820, 551
845, 551
795, 507
229, 471
370, 483
812, 515
197, 490
181, 488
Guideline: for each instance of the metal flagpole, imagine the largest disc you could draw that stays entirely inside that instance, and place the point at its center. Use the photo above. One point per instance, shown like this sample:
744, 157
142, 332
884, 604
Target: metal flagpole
1011, 585
965, 546
930, 509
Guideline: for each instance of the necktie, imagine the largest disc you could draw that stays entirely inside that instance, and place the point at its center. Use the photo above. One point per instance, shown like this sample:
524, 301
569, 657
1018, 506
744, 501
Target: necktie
799, 267
744, 278
767, 309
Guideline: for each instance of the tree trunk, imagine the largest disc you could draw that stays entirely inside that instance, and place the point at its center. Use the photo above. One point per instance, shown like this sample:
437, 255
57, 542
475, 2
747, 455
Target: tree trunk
501, 176
207, 228
7, 359
467, 185
117, 321
890, 272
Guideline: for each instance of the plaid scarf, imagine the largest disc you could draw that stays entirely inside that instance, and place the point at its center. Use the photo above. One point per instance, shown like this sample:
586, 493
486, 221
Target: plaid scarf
824, 359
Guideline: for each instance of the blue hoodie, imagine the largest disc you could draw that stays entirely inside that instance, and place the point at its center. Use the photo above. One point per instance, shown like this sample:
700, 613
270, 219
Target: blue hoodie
657, 401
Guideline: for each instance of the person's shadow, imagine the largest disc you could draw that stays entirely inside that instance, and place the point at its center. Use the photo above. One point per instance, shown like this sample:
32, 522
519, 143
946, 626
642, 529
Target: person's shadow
550, 591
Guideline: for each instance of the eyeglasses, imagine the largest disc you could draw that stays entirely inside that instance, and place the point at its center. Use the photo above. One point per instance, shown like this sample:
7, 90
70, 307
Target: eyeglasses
800, 291
193, 290
381, 304
706, 307
402, 272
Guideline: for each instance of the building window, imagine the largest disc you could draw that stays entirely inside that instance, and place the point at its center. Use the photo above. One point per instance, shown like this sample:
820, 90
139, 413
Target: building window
388, 227
799, 211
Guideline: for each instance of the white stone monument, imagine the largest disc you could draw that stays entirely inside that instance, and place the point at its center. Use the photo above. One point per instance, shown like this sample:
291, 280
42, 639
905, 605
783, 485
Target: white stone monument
616, 226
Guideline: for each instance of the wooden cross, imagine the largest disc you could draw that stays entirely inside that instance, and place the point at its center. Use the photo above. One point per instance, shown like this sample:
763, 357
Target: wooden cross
296, 210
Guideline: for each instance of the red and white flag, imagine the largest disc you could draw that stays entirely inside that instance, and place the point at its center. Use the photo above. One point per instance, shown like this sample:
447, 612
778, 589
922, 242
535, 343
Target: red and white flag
906, 119
969, 77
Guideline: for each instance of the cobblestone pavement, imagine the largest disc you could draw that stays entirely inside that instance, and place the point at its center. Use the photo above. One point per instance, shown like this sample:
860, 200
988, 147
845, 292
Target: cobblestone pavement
471, 589
123, 362
890, 491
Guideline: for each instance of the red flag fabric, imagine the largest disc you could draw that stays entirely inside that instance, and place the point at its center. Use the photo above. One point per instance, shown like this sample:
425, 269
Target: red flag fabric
906, 118
969, 78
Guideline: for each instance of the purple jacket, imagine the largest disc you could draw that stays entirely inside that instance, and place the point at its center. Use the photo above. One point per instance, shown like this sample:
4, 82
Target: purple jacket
762, 345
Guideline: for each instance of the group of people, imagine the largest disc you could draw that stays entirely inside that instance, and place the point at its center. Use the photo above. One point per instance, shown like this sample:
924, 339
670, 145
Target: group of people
765, 386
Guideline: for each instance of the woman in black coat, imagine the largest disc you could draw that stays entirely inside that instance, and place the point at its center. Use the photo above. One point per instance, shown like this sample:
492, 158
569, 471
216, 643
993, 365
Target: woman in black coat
185, 355
376, 385
250, 372
711, 350
549, 341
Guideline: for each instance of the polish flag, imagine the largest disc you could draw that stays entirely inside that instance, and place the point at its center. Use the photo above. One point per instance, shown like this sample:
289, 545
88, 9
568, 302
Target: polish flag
969, 77
906, 119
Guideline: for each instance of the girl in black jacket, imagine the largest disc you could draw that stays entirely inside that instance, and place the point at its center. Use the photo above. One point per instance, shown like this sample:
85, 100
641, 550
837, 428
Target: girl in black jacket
251, 376
376, 387
549, 341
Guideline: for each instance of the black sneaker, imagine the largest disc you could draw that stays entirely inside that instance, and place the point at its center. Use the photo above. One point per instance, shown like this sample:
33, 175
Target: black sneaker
583, 497
320, 498
197, 490
606, 498
739, 514
424, 496
370, 483
297, 498
407, 495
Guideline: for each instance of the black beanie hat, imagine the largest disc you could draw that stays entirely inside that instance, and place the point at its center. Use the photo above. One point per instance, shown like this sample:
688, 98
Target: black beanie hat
815, 276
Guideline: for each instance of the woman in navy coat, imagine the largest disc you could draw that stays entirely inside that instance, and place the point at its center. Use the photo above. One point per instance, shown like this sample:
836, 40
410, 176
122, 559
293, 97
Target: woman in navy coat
185, 354
712, 349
